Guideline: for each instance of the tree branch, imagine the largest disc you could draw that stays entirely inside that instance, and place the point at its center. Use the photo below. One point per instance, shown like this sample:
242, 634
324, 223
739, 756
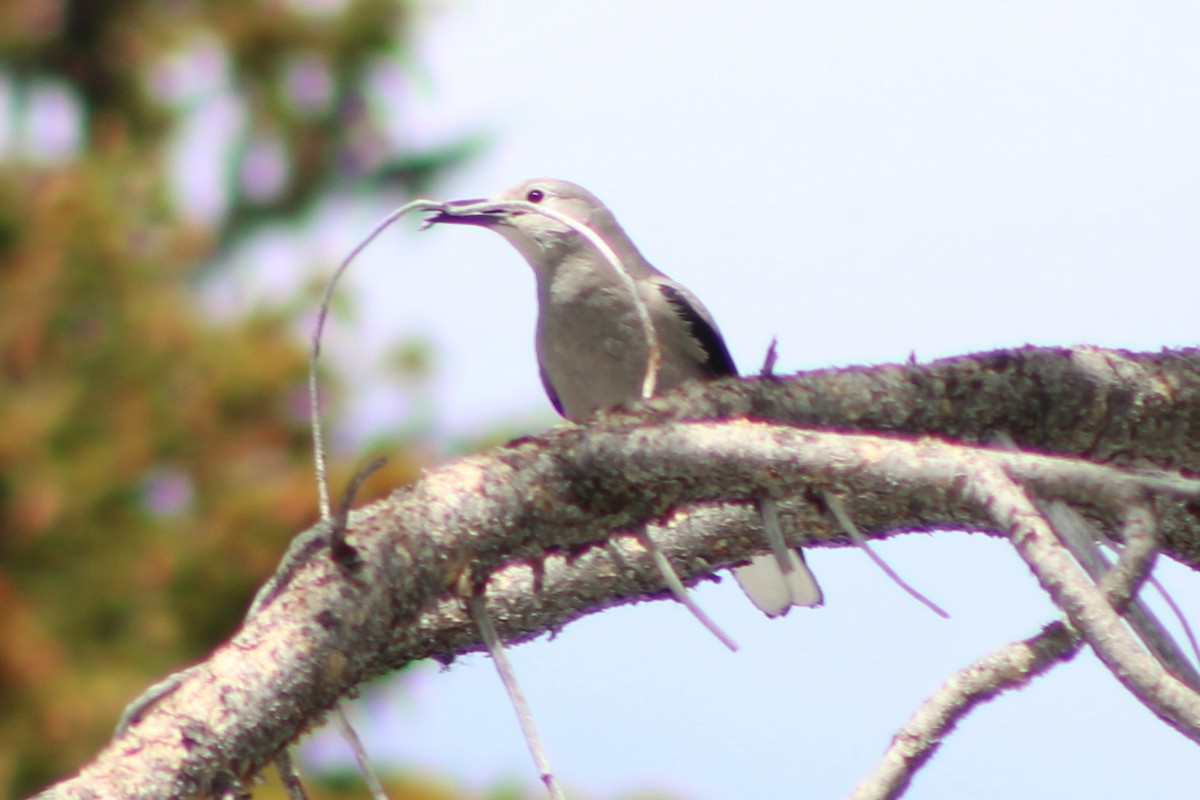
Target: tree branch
542, 520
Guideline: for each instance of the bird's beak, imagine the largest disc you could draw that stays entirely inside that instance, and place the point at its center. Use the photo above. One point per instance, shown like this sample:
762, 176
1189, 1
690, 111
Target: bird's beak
485, 217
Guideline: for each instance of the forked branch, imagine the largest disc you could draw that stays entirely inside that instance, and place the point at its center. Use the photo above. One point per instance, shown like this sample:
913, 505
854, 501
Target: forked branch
545, 518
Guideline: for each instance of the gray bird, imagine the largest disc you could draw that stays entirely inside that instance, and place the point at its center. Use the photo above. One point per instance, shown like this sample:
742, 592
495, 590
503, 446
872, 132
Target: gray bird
591, 345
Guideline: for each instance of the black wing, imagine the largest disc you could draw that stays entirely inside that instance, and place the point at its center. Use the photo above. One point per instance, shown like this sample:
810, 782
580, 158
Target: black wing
717, 361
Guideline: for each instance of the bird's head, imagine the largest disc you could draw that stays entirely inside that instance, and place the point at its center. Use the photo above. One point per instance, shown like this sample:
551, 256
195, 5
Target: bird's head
540, 238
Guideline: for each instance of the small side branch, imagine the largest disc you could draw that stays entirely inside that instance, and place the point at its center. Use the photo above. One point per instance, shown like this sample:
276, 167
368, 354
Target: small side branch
508, 677
1015, 665
1004, 669
519, 517
1082, 539
679, 591
360, 753
289, 776
1087, 608
861, 541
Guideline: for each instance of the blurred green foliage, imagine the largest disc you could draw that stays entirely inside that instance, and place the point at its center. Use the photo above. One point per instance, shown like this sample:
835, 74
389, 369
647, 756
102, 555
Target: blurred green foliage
154, 461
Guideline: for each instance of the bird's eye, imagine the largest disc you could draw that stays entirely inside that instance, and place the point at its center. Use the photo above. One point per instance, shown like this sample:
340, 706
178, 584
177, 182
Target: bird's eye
535, 195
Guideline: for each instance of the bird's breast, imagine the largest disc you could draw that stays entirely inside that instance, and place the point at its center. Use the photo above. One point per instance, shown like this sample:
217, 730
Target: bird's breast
593, 351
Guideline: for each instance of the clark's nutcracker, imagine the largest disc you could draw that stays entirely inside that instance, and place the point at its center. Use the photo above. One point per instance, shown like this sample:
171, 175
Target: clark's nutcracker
591, 345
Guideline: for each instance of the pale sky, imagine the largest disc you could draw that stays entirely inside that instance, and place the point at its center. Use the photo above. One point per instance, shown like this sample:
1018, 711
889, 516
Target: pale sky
863, 181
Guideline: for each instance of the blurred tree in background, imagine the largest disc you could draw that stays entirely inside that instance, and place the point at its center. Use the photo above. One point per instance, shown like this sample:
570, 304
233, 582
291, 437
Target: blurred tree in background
154, 461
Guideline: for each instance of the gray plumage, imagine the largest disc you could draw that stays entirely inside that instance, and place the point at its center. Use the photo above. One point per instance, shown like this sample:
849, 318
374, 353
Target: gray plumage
591, 347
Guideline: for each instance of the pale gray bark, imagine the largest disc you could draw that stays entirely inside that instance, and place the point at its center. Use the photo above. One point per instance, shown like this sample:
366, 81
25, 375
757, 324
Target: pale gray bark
540, 520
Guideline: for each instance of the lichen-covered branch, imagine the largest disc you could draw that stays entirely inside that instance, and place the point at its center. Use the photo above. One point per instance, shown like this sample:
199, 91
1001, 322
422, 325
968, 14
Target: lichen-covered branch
540, 521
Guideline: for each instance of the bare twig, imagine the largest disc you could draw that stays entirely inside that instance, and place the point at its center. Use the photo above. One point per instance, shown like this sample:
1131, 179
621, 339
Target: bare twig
835, 506
1009, 667
1177, 612
508, 677
1089, 611
360, 753
671, 579
510, 514
343, 552
1083, 540
289, 776
772, 355
1081, 537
